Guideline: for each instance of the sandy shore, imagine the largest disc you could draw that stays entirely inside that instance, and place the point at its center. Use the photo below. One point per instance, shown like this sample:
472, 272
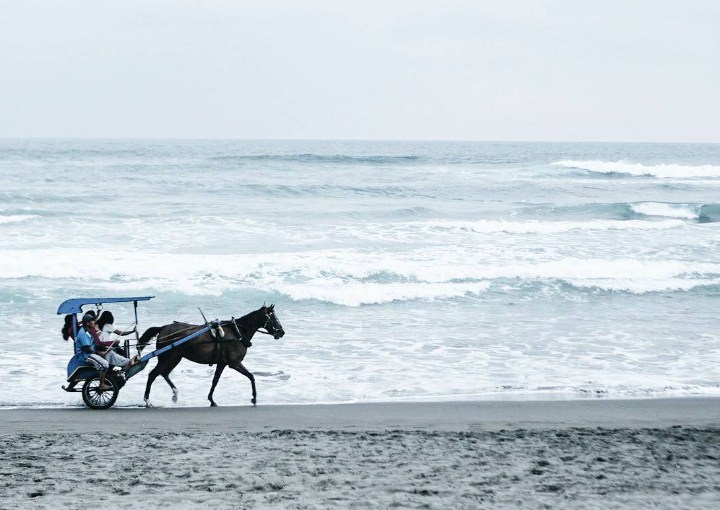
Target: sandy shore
662, 453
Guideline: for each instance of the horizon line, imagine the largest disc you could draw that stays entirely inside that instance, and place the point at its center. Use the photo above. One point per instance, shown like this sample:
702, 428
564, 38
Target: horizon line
398, 140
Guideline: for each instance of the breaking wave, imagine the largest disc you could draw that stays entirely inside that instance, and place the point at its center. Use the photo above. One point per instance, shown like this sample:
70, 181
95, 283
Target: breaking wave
683, 211
616, 216
703, 213
347, 277
663, 171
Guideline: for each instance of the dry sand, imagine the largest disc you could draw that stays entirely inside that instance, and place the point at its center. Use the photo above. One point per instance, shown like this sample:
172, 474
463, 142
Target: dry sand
662, 453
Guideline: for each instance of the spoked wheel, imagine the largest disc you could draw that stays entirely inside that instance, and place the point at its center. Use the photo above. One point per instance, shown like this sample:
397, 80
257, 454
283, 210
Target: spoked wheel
95, 398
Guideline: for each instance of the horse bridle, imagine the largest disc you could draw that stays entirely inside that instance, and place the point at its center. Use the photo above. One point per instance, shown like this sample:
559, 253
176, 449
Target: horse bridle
268, 318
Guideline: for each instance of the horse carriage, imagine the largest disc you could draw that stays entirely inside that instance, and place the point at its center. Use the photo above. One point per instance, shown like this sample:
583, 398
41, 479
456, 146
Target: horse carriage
222, 343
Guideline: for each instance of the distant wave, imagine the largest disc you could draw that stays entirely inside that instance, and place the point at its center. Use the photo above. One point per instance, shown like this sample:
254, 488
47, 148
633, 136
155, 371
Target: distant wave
320, 158
663, 171
549, 227
277, 189
611, 216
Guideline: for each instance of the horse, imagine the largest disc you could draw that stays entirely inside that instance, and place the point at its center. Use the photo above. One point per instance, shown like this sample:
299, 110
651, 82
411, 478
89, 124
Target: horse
225, 346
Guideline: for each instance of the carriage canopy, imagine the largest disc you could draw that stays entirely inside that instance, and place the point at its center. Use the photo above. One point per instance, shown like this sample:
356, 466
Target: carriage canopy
75, 305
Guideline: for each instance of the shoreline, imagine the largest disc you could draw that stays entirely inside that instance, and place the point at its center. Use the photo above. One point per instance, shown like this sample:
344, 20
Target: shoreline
432, 416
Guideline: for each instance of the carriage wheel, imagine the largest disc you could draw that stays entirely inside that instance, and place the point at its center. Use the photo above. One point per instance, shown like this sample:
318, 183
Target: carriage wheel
95, 398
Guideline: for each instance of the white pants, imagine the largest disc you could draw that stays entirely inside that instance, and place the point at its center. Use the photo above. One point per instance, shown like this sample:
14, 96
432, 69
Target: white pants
115, 359
98, 362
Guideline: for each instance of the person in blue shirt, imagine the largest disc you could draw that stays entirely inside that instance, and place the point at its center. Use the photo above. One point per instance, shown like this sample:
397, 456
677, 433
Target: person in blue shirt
85, 348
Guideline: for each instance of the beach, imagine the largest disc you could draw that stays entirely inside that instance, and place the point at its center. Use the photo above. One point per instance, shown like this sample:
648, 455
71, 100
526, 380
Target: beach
659, 453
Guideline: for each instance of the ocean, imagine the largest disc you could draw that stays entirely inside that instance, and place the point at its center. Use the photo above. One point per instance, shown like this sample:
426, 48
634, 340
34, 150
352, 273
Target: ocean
400, 270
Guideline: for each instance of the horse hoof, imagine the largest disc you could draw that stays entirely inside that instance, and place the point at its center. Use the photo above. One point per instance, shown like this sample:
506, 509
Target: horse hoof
253, 402
174, 398
213, 404
148, 404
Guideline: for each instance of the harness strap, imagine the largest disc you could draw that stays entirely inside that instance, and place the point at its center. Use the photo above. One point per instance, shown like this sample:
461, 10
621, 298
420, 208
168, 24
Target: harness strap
217, 334
241, 337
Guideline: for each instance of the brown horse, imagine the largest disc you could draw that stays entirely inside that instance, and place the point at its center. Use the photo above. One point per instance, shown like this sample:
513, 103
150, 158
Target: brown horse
226, 348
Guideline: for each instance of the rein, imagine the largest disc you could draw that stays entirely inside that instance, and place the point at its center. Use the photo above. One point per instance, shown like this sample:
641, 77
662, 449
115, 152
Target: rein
175, 333
202, 342
223, 323
241, 336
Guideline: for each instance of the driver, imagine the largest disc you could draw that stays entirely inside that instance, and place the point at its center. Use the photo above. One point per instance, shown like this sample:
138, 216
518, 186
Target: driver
85, 345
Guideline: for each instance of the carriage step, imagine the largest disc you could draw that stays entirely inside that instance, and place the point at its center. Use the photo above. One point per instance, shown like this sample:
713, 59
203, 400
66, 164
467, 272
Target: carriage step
71, 388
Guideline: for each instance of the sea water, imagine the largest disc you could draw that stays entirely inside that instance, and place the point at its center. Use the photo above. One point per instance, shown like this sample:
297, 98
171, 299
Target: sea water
399, 270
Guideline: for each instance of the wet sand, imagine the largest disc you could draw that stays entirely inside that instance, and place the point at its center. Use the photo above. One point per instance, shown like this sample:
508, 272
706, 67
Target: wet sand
660, 453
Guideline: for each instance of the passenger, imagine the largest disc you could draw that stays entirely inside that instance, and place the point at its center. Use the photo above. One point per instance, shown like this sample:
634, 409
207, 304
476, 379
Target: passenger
104, 346
67, 329
105, 327
85, 344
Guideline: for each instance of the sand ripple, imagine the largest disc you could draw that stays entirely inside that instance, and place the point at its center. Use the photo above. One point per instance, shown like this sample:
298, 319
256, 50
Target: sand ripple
596, 468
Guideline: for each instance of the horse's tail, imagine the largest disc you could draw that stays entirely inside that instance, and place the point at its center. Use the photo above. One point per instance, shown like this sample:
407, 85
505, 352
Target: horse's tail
149, 334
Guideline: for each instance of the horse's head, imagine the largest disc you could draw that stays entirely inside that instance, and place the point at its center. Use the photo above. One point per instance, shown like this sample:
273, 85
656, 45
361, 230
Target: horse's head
272, 324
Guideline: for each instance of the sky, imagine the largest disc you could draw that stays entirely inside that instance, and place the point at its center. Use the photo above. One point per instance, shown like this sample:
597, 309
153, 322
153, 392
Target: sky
565, 70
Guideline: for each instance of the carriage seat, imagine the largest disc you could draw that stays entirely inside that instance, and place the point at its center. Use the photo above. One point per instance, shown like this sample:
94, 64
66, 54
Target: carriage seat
79, 369
79, 374
82, 372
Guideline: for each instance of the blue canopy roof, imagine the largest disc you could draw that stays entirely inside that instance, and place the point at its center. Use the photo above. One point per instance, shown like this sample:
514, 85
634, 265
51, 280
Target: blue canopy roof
73, 305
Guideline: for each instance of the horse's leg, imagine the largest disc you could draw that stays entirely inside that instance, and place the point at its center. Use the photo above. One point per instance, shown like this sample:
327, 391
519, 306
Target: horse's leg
151, 379
166, 375
173, 387
218, 372
244, 371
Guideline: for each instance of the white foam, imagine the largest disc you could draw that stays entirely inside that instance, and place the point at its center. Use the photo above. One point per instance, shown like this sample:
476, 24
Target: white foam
16, 218
639, 286
685, 211
664, 171
349, 277
627, 275
356, 294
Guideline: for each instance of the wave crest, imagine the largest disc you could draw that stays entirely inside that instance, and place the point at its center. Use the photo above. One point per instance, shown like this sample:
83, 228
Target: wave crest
663, 171
667, 210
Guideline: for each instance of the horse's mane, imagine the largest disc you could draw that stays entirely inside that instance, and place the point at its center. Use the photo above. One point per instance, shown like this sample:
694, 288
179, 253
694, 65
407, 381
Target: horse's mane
246, 317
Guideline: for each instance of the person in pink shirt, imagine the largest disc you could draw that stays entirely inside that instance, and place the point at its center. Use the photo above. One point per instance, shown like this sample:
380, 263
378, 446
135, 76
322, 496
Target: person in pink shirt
104, 344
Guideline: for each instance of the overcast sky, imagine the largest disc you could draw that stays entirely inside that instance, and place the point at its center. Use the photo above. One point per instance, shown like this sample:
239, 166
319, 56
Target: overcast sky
597, 70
